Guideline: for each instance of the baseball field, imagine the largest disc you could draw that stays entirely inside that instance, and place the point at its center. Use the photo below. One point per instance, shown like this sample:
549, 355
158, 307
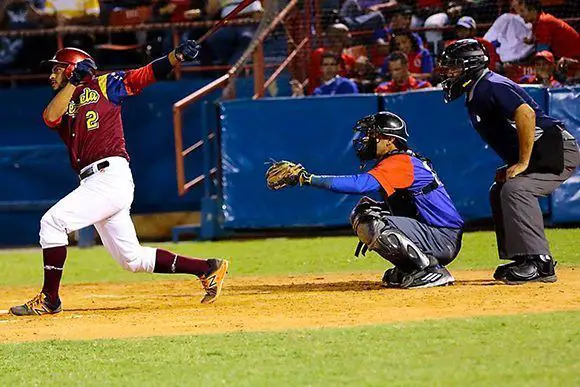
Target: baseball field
294, 312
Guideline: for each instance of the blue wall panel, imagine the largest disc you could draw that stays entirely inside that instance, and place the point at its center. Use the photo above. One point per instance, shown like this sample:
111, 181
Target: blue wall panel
565, 106
34, 165
443, 133
314, 131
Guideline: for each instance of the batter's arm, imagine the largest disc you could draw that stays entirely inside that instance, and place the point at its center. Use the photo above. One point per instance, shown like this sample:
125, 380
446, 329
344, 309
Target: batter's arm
525, 118
136, 80
56, 108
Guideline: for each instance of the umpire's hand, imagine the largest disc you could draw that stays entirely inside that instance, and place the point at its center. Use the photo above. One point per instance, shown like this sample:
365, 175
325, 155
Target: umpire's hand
187, 51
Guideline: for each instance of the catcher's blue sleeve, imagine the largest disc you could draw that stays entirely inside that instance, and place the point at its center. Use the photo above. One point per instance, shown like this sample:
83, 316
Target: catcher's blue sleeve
350, 184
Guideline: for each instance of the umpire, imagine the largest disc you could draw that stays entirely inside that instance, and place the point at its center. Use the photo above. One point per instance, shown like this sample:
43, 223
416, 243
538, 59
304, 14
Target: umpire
540, 155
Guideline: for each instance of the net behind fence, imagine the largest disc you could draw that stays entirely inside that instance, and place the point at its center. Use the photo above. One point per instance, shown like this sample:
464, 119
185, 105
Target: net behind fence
374, 30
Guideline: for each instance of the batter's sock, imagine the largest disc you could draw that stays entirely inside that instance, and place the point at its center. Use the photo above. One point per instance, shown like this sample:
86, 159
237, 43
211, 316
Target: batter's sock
53, 258
168, 262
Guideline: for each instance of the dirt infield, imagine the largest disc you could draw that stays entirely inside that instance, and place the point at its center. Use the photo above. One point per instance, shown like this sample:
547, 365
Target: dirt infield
158, 308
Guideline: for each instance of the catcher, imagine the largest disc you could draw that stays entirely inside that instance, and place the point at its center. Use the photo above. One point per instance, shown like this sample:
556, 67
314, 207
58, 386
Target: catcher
416, 228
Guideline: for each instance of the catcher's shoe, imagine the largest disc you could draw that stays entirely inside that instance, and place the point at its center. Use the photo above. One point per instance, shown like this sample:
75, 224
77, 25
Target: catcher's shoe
535, 268
428, 278
393, 277
38, 306
213, 281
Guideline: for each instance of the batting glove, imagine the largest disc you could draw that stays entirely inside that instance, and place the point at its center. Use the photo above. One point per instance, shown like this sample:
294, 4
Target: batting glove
187, 51
82, 72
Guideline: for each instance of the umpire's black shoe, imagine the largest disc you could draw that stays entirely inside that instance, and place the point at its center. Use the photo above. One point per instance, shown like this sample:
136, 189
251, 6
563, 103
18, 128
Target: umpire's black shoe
502, 270
535, 268
428, 278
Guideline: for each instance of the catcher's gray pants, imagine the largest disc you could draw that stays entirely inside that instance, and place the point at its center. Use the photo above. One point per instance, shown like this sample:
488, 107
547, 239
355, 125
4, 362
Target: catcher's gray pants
519, 226
441, 243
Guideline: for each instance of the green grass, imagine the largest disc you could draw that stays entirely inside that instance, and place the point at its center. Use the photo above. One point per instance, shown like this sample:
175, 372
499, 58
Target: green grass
264, 257
526, 350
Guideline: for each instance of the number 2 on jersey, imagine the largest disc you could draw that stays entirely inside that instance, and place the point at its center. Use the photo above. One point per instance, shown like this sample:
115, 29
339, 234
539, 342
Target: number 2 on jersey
92, 120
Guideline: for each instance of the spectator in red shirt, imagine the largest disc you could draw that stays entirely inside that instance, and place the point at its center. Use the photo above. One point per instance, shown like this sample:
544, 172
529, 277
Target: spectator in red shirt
544, 67
466, 28
571, 69
401, 77
337, 38
549, 32
419, 58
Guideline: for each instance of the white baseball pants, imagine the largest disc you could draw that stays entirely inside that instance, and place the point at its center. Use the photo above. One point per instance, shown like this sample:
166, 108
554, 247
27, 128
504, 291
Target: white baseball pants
103, 200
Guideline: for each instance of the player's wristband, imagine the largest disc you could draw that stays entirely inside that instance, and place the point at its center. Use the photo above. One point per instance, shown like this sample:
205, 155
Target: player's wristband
320, 181
161, 67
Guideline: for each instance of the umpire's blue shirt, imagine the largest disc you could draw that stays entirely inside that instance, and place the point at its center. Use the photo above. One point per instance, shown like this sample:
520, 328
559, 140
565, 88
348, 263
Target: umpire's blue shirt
492, 103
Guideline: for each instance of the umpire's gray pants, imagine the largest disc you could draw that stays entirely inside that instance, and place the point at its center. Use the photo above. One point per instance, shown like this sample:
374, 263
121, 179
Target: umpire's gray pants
519, 225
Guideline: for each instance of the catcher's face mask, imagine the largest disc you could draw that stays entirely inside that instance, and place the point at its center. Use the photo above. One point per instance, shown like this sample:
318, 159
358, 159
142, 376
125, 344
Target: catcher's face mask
365, 140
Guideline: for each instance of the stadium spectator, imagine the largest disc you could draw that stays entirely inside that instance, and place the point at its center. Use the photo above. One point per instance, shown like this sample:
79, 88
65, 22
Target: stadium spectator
466, 28
356, 17
333, 83
544, 68
402, 80
549, 32
570, 68
336, 41
419, 58
177, 11
17, 53
228, 43
71, 12
365, 75
508, 34
434, 38
401, 18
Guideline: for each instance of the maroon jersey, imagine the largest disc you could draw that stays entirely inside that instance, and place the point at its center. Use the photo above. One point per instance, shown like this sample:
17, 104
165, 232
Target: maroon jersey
91, 127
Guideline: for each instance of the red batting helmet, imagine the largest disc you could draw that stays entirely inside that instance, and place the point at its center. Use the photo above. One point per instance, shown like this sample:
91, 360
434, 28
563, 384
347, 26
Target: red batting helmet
68, 57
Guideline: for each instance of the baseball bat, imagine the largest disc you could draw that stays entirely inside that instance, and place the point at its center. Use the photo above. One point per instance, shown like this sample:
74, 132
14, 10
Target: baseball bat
225, 20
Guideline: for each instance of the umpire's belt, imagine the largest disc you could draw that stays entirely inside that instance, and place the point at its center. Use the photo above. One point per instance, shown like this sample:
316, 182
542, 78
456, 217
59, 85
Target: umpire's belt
93, 168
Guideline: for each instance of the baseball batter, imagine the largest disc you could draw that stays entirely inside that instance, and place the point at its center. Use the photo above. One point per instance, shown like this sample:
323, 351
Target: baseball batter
416, 228
86, 114
540, 154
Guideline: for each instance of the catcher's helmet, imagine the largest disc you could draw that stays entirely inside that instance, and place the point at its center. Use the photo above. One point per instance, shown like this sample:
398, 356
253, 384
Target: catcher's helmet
371, 127
68, 57
460, 64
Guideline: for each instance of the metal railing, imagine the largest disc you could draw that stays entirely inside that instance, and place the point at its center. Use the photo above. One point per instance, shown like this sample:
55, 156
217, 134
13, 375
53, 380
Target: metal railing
256, 51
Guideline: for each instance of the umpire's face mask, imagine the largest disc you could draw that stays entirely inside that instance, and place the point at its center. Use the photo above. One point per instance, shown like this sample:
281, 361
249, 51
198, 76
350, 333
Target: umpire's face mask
365, 146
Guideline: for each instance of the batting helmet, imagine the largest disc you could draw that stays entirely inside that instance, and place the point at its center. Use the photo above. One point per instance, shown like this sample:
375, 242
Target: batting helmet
371, 127
68, 57
460, 64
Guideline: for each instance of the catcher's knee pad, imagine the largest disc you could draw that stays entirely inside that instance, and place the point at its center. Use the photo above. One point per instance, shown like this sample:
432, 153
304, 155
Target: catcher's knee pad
366, 210
396, 248
392, 244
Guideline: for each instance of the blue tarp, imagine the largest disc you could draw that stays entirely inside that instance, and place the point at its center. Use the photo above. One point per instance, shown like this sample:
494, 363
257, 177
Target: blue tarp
315, 131
565, 106
34, 166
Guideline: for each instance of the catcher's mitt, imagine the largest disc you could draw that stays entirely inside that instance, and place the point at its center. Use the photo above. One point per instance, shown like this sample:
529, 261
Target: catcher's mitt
283, 174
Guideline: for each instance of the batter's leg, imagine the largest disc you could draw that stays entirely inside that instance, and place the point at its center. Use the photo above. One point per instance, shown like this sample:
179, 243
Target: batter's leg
120, 239
79, 209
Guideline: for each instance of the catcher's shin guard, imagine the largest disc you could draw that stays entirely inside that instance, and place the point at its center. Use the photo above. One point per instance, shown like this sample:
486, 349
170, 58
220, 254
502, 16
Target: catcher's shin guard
390, 243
